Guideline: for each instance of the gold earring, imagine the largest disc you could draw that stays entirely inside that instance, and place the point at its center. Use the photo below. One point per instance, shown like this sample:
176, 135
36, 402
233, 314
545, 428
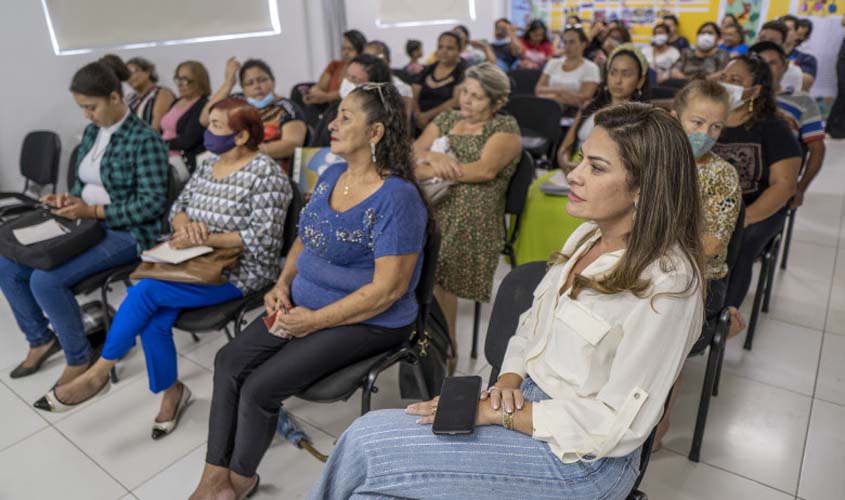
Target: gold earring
751, 106
373, 151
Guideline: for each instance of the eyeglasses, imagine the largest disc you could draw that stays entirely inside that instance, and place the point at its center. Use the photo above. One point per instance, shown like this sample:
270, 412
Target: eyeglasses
255, 81
182, 79
378, 86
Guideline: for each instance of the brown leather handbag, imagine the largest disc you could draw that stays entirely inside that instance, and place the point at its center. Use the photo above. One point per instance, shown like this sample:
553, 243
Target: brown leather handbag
203, 270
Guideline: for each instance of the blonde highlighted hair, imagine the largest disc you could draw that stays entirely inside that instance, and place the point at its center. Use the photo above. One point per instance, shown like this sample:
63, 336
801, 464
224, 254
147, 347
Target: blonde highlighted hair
659, 162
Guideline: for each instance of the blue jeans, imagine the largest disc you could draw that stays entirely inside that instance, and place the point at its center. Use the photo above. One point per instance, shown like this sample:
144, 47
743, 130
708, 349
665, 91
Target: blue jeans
385, 454
33, 293
150, 310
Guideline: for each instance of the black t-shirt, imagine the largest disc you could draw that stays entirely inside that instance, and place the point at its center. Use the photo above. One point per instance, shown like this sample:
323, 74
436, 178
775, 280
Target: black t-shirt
435, 92
753, 151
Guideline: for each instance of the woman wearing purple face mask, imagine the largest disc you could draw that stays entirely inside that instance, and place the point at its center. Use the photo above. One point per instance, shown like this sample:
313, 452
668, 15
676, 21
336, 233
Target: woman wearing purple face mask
704, 59
767, 156
236, 198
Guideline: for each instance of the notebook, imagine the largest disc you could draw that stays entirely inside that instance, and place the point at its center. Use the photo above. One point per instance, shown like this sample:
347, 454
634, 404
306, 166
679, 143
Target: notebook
556, 185
164, 254
43, 231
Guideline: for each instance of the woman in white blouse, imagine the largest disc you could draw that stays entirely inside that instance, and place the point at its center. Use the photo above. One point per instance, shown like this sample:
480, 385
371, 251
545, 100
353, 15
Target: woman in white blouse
660, 55
570, 80
586, 375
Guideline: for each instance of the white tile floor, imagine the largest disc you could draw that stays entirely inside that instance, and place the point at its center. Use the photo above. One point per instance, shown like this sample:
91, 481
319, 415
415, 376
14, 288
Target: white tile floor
776, 431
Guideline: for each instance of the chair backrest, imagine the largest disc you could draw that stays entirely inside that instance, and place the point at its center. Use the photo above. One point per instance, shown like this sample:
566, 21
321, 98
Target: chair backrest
292, 218
71, 167
425, 286
538, 115
526, 80
515, 295
40, 153
520, 182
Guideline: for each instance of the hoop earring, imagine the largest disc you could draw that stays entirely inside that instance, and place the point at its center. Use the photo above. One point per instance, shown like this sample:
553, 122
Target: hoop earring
751, 107
373, 151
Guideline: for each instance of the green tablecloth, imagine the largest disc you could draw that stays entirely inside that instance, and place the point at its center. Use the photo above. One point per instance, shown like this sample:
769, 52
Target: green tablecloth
545, 225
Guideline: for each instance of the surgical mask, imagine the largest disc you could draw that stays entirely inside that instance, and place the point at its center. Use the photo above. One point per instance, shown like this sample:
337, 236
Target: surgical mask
659, 39
502, 41
261, 103
701, 143
346, 87
735, 91
706, 41
218, 144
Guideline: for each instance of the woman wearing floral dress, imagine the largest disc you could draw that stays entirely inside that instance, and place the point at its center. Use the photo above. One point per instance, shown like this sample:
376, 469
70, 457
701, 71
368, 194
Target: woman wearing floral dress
478, 150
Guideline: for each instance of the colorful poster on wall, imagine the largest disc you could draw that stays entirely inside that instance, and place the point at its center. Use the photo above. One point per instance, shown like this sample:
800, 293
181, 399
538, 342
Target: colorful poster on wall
820, 8
747, 12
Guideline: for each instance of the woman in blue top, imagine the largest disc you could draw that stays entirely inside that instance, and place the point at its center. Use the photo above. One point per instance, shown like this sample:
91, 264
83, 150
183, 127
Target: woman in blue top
346, 291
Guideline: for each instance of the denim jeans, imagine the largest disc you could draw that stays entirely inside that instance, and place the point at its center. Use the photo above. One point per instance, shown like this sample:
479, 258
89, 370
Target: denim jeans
33, 293
150, 310
385, 454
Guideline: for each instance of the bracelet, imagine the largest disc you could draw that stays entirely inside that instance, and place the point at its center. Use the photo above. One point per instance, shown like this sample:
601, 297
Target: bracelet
507, 419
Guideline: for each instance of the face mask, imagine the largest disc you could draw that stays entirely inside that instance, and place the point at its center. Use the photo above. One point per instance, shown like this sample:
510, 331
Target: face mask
346, 87
701, 143
735, 92
218, 144
261, 103
660, 39
706, 41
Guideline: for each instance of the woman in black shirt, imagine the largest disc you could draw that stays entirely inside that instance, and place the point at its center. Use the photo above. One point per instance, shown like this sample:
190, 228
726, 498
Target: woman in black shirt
434, 90
767, 157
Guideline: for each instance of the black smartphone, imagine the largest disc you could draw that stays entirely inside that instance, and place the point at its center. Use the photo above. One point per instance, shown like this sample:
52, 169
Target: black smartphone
458, 405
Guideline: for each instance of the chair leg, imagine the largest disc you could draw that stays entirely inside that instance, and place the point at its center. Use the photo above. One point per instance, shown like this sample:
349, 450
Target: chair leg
367, 391
713, 368
228, 332
788, 239
475, 325
755, 308
194, 336
770, 279
113, 375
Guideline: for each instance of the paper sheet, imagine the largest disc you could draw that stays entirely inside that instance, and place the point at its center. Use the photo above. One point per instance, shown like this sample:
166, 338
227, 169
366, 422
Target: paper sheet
46, 230
165, 254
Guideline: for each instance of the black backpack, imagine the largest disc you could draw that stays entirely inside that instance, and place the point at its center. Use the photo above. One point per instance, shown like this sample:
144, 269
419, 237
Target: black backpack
82, 234
435, 348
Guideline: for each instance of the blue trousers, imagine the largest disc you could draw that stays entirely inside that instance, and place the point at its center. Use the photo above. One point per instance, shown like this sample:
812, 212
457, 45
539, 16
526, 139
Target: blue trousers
33, 293
150, 310
386, 454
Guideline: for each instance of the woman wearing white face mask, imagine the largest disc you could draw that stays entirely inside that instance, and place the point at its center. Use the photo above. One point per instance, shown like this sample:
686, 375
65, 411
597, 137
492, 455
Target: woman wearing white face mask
660, 55
703, 60
767, 156
284, 125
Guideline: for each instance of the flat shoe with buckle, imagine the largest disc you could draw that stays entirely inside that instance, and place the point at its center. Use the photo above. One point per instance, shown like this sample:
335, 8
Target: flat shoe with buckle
50, 402
23, 371
161, 429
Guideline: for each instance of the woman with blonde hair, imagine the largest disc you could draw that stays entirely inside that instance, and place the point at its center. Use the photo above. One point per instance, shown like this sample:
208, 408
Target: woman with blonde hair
586, 375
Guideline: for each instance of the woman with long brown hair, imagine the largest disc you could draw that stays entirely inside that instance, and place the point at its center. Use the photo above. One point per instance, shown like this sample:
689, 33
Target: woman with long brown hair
586, 375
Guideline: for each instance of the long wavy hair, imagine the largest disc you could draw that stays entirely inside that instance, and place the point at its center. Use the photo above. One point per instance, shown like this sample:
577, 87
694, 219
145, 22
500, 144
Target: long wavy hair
765, 104
382, 103
659, 161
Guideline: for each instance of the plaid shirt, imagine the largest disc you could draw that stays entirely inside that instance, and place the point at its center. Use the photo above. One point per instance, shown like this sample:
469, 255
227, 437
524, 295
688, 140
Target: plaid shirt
134, 171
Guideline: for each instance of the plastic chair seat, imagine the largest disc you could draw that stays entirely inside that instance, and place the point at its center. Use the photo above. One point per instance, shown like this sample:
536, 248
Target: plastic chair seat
98, 280
340, 385
210, 318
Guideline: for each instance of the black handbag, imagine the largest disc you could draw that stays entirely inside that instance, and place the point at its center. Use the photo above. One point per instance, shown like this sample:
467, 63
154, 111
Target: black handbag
82, 234
435, 347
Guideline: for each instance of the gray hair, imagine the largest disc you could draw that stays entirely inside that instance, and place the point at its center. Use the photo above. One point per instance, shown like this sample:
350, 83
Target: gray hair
493, 80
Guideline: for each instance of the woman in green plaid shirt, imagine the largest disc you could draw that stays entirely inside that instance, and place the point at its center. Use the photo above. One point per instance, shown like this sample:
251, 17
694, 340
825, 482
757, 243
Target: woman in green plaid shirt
121, 179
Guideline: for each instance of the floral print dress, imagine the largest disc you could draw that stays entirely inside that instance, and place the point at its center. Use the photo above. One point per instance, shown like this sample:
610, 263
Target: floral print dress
470, 215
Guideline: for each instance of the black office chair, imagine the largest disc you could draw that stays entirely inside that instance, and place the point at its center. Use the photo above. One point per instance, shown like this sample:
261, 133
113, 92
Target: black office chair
714, 335
514, 205
342, 384
791, 212
39, 165
525, 80
539, 124
516, 293
312, 112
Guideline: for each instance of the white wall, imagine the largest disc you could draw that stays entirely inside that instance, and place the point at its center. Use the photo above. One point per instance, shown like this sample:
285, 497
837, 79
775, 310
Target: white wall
361, 15
34, 80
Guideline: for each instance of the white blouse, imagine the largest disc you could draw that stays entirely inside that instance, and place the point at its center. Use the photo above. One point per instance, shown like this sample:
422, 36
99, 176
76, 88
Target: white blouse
93, 192
607, 361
